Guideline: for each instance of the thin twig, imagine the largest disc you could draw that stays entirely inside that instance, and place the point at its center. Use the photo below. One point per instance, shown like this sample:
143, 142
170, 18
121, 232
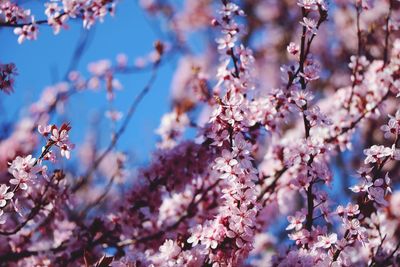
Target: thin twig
386, 49
33, 212
99, 199
38, 22
122, 129
359, 47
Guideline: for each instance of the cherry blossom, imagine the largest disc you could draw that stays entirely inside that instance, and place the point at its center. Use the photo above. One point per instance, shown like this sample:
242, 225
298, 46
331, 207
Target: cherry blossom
392, 127
308, 4
326, 241
5, 195
24, 170
169, 250
113, 115
60, 138
227, 42
12, 13
301, 98
26, 32
376, 153
349, 211
266, 131
311, 72
172, 128
296, 222
57, 12
310, 24
293, 48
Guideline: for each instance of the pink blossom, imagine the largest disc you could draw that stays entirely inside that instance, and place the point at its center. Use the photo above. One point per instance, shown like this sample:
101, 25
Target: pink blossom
376, 153
28, 32
326, 241
99, 68
52, 9
392, 128
296, 222
212, 235
349, 211
311, 72
122, 60
379, 189
301, 98
195, 238
61, 139
169, 250
227, 42
58, 23
24, 171
315, 117
310, 24
229, 9
5, 195
171, 128
113, 115
44, 130
50, 155
65, 150
226, 164
13, 13
361, 187
356, 229
293, 48
308, 4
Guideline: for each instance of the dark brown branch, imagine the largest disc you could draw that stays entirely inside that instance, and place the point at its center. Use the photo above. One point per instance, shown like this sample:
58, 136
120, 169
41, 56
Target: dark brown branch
185, 216
99, 199
38, 22
33, 212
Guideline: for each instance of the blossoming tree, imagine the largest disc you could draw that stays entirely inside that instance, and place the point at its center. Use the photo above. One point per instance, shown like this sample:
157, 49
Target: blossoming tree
295, 162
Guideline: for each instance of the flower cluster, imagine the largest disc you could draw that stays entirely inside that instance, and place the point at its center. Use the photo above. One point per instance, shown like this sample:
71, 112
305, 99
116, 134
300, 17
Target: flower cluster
171, 128
12, 13
57, 14
25, 171
392, 128
58, 137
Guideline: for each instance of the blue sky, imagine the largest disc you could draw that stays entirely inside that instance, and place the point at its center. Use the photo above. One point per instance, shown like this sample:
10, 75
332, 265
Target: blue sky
43, 62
